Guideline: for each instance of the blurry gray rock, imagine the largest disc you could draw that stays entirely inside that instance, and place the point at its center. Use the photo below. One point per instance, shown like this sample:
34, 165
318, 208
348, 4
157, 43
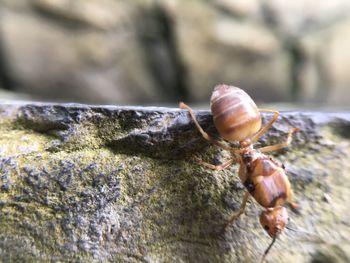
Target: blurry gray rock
120, 184
78, 51
90, 61
226, 49
104, 14
317, 35
133, 52
261, 46
10, 95
323, 72
295, 18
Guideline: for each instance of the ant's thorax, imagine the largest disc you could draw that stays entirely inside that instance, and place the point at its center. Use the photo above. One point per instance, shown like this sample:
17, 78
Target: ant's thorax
248, 154
246, 143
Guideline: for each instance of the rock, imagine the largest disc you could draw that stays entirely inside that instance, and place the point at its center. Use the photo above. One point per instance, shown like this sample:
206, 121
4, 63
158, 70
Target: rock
335, 62
103, 14
230, 50
315, 35
297, 18
10, 95
331, 253
120, 184
240, 8
77, 53
322, 66
142, 52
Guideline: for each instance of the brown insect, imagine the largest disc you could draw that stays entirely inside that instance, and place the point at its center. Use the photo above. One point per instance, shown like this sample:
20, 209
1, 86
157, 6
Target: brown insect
237, 118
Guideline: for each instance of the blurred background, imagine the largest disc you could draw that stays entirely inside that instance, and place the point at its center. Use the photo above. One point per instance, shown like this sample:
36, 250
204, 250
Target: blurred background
159, 52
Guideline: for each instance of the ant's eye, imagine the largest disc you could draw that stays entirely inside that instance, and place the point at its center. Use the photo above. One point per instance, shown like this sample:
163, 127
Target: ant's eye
266, 227
247, 158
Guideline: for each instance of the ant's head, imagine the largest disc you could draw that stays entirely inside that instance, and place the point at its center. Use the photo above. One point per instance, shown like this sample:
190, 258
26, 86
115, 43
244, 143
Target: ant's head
274, 220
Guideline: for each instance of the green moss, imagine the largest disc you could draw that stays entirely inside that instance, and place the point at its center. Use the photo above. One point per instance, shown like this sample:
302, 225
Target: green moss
83, 201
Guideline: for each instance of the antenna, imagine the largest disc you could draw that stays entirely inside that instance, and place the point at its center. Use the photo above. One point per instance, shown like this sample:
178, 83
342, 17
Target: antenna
268, 249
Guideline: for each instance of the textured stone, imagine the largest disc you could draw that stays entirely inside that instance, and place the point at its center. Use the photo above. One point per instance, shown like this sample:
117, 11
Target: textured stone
102, 14
230, 50
322, 74
136, 52
296, 18
240, 8
77, 53
120, 184
336, 62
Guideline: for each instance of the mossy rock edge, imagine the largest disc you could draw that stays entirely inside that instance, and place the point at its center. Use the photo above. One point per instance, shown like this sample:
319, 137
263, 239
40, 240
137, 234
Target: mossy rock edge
82, 183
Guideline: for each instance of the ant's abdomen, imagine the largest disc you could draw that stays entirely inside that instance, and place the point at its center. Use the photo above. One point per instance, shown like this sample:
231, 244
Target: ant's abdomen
235, 114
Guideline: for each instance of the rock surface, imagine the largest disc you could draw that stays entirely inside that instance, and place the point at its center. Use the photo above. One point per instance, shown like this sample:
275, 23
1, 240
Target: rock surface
104, 183
133, 52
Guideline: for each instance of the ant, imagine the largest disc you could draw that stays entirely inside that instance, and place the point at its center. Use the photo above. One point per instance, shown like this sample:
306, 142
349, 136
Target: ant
237, 118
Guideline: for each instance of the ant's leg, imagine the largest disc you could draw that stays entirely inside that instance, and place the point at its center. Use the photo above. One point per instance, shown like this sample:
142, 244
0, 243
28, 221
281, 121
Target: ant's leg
204, 134
280, 145
217, 167
240, 211
294, 206
263, 130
